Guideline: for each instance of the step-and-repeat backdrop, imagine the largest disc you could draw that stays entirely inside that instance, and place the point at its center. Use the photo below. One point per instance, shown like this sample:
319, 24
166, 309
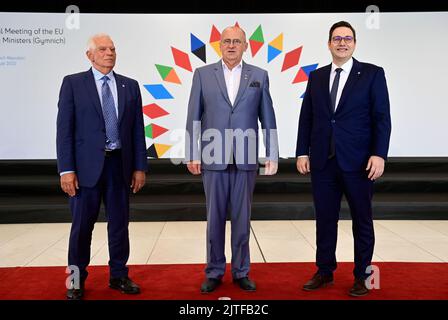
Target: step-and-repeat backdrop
161, 51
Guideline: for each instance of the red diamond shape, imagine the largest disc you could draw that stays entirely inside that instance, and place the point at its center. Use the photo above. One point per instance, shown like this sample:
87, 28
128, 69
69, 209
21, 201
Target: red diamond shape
300, 76
181, 59
154, 111
291, 58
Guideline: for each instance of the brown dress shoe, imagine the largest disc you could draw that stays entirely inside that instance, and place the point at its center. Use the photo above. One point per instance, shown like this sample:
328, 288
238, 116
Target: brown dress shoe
359, 288
318, 281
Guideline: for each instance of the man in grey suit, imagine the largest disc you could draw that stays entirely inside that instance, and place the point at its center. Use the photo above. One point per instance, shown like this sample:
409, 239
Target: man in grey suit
227, 99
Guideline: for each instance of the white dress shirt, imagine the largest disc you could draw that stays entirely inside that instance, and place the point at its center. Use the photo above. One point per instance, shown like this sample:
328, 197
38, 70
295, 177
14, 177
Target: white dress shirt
346, 68
233, 78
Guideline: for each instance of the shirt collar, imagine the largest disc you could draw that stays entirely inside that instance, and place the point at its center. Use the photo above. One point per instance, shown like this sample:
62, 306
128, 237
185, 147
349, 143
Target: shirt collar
346, 67
98, 75
238, 66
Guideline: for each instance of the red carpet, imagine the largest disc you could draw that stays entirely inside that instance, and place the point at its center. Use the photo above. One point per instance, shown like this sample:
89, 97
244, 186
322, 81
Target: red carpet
399, 281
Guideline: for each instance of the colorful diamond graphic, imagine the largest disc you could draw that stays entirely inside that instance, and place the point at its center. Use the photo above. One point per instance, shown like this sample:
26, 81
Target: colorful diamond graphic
215, 38
153, 131
291, 58
256, 40
198, 47
168, 74
154, 111
158, 91
275, 47
300, 76
151, 152
272, 53
304, 72
181, 59
309, 68
157, 150
161, 148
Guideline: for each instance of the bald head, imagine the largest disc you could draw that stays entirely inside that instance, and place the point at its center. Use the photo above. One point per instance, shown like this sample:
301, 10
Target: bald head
233, 44
234, 29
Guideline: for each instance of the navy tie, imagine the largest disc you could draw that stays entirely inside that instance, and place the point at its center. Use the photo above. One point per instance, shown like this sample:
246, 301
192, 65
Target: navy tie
334, 88
333, 94
110, 116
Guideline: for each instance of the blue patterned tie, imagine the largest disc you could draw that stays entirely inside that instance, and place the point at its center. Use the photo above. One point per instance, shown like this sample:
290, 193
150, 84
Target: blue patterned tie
110, 116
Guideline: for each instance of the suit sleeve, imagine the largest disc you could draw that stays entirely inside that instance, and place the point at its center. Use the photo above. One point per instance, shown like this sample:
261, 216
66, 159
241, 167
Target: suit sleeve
140, 160
305, 123
65, 124
194, 117
381, 115
268, 122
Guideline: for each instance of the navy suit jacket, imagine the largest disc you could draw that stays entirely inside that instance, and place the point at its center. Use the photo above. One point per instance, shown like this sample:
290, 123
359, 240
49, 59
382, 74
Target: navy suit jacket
361, 124
210, 106
81, 132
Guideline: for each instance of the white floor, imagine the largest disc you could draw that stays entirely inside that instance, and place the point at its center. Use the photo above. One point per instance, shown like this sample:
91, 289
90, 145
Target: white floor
184, 242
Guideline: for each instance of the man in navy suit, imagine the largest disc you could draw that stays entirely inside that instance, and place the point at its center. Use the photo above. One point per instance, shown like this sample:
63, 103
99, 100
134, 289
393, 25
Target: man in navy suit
343, 139
227, 100
101, 155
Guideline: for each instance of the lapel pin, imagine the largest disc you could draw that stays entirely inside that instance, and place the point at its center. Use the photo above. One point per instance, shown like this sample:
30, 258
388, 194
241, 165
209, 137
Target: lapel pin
359, 72
245, 77
123, 85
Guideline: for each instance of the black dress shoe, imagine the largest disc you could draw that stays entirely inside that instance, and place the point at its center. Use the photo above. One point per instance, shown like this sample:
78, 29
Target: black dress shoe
318, 281
125, 285
210, 284
246, 284
359, 288
75, 294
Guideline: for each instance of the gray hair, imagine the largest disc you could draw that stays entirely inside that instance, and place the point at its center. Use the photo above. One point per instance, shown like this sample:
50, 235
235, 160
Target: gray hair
91, 44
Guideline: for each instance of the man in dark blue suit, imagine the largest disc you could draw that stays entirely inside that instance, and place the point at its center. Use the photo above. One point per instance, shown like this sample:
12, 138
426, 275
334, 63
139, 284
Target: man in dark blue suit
227, 100
101, 155
343, 139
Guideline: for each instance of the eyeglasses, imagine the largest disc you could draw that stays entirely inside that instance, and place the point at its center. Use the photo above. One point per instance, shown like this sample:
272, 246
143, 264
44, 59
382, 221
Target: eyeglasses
338, 39
235, 42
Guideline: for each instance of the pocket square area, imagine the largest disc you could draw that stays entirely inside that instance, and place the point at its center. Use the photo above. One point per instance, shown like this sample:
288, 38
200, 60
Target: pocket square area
255, 84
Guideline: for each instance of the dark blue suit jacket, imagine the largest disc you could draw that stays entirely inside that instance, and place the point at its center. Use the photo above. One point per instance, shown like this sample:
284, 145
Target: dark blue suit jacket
81, 132
361, 124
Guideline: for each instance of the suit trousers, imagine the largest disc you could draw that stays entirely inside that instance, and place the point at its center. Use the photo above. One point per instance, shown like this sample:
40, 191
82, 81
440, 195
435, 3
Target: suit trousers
85, 206
228, 190
329, 184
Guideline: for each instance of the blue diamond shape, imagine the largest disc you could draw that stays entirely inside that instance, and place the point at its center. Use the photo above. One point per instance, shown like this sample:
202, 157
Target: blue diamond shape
158, 91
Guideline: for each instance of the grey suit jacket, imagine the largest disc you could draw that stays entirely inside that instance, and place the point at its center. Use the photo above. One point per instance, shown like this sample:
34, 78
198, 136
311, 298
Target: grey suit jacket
219, 132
